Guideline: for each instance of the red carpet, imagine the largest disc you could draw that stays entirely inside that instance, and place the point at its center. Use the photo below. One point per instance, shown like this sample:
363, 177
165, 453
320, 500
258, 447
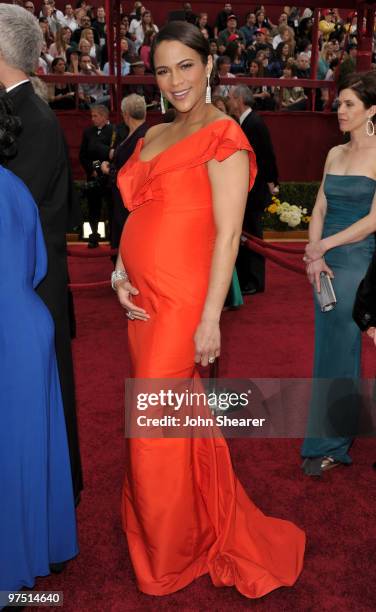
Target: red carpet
272, 336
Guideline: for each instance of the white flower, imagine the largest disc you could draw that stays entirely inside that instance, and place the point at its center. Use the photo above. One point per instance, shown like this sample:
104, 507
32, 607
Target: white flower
293, 221
295, 208
305, 211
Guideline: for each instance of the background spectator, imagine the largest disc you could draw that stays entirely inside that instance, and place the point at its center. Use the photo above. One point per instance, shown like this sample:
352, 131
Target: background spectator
203, 26
87, 35
221, 19
125, 66
303, 66
291, 98
97, 141
249, 29
149, 92
61, 44
73, 60
61, 96
69, 18
29, 6
146, 24
223, 70
90, 93
229, 33
84, 23
235, 51
48, 36
99, 24
261, 94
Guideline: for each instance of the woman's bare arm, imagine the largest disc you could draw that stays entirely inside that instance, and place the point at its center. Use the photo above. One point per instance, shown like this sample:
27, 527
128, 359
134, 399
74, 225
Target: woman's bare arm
229, 181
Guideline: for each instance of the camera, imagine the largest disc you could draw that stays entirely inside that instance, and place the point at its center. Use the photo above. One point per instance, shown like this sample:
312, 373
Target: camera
96, 165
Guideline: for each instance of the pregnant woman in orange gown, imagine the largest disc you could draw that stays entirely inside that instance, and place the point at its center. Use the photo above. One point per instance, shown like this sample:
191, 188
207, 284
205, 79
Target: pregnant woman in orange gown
184, 511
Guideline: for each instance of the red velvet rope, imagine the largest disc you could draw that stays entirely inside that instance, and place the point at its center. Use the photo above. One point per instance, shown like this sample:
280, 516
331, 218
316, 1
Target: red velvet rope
274, 247
95, 285
251, 242
276, 258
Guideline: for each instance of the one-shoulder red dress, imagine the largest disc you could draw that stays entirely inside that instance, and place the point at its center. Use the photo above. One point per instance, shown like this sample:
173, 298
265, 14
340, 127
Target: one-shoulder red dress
184, 511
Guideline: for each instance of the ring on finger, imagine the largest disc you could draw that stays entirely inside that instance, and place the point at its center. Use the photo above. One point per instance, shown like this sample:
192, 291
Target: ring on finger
130, 315
211, 359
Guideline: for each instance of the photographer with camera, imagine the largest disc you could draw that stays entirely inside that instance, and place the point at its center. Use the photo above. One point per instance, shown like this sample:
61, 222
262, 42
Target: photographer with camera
96, 144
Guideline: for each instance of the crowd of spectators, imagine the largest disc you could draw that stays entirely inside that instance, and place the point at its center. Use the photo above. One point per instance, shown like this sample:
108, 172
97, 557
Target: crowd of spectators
249, 45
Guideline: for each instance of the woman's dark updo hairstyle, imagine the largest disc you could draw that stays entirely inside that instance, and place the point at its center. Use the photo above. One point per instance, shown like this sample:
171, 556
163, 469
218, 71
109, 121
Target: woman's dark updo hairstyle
10, 126
190, 36
363, 84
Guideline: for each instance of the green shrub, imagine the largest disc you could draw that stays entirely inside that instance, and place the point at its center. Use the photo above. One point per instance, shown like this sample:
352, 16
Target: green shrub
301, 194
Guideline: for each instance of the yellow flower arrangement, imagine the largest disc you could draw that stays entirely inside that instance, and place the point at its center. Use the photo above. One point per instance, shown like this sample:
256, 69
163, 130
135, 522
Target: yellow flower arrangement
279, 214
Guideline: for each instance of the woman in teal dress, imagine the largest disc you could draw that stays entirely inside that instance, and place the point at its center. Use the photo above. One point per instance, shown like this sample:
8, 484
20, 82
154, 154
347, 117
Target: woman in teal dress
342, 226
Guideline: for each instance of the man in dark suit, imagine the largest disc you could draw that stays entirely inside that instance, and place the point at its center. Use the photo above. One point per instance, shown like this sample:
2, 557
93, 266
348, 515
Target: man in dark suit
251, 266
95, 148
42, 163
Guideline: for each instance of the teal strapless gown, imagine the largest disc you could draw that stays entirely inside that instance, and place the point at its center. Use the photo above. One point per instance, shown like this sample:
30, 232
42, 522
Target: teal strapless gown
335, 400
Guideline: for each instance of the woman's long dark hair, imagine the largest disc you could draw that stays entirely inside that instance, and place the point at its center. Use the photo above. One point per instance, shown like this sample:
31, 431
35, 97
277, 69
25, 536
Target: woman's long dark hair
10, 126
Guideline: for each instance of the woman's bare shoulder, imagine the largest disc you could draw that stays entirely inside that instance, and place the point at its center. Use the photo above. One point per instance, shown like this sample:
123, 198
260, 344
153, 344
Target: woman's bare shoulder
154, 131
337, 150
335, 153
217, 116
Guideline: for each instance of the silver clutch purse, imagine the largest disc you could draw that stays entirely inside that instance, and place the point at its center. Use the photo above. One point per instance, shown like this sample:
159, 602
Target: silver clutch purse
326, 298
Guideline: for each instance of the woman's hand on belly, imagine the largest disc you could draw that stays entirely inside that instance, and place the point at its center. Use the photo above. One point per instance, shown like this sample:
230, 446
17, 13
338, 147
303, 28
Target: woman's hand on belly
314, 270
125, 290
207, 341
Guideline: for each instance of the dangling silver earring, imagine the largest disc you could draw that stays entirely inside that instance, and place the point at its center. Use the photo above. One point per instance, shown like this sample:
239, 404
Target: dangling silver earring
370, 127
163, 108
208, 92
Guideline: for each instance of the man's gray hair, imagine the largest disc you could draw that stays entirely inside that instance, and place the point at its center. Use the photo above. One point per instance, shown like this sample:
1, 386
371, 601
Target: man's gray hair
304, 55
21, 38
135, 105
243, 92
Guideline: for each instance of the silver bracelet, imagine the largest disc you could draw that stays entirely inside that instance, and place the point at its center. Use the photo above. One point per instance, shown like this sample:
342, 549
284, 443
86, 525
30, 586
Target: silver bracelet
116, 276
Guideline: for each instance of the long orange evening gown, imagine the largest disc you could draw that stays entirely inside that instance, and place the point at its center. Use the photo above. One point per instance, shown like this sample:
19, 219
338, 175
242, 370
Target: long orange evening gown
184, 511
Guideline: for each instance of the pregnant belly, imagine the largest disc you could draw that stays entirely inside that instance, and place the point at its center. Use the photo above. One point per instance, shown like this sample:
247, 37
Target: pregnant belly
168, 253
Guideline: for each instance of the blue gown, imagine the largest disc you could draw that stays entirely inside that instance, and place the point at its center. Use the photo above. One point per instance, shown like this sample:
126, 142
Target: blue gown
37, 515
335, 393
